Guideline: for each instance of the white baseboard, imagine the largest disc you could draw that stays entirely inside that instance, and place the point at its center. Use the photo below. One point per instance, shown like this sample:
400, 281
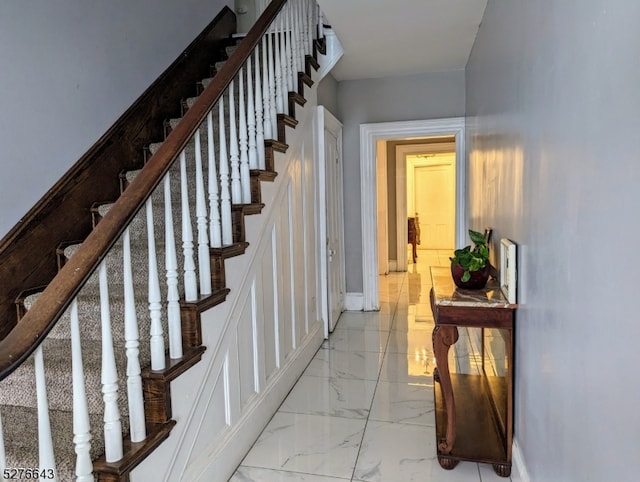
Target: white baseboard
518, 462
354, 302
393, 265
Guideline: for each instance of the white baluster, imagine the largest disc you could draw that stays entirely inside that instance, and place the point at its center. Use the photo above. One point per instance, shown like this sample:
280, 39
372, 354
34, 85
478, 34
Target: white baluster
295, 57
81, 427
284, 64
303, 25
225, 197
267, 83
277, 68
171, 262
214, 196
288, 48
259, 112
190, 282
314, 21
234, 157
245, 182
273, 111
112, 423
155, 298
303, 28
251, 119
298, 30
309, 29
131, 335
204, 258
45, 442
320, 23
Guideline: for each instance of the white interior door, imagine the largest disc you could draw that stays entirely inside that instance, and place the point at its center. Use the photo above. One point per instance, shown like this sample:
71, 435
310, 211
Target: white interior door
335, 230
435, 205
329, 202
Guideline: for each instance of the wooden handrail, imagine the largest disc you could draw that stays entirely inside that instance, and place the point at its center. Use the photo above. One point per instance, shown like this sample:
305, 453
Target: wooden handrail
18, 345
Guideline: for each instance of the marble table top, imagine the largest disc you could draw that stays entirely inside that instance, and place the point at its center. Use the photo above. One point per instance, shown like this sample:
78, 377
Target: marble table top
446, 293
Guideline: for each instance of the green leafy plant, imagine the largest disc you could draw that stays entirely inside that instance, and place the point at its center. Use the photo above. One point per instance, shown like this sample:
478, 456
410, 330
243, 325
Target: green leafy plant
472, 259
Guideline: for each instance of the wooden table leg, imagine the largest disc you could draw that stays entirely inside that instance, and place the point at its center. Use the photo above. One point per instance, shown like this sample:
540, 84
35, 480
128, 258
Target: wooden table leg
447, 463
503, 470
443, 337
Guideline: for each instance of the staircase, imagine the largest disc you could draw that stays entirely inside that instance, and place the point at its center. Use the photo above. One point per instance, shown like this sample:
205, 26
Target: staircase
86, 389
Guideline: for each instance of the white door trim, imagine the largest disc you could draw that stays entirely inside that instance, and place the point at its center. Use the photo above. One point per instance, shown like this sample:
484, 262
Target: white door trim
326, 120
383, 210
369, 135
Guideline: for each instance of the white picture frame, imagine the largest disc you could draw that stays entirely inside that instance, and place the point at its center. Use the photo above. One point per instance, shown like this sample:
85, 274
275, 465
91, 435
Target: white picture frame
508, 271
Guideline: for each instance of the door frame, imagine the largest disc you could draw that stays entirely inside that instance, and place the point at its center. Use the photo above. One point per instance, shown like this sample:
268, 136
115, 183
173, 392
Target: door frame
369, 135
383, 208
402, 151
326, 120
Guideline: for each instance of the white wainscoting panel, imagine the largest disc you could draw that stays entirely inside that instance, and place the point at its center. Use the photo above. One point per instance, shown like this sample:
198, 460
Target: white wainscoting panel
291, 263
270, 308
245, 340
297, 262
285, 301
309, 231
217, 422
259, 340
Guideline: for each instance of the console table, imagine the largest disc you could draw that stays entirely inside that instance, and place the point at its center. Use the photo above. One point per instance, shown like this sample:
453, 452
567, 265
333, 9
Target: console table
474, 412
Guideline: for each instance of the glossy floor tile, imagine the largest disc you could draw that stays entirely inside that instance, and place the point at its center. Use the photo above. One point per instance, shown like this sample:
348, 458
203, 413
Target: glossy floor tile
308, 444
363, 409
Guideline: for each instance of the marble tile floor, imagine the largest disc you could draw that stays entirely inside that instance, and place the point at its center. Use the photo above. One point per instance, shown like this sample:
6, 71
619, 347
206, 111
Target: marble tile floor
363, 409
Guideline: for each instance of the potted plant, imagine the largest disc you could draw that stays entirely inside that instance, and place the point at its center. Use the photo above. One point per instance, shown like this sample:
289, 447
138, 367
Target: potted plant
470, 267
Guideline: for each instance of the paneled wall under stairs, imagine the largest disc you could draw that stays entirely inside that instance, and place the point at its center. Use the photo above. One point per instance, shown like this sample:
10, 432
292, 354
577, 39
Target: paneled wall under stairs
262, 338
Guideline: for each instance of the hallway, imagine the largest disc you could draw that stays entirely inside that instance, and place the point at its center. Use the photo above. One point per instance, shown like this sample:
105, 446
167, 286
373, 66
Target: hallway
363, 409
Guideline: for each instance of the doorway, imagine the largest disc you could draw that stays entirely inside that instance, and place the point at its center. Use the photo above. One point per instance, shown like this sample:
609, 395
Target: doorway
433, 202
370, 134
435, 159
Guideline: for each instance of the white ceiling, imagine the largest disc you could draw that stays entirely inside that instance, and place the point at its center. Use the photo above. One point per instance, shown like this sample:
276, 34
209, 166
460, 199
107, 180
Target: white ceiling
383, 38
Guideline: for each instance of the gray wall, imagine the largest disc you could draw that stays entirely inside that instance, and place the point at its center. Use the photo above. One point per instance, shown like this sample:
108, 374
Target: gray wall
70, 68
414, 97
328, 93
552, 104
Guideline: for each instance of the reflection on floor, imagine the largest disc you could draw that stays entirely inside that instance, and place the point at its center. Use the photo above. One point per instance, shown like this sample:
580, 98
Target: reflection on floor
363, 409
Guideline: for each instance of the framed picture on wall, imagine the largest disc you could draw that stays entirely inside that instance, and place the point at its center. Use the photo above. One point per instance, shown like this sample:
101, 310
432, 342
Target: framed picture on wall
508, 271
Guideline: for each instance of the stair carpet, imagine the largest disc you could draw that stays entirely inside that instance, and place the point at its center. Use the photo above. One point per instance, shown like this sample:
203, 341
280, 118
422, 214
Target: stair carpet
18, 392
